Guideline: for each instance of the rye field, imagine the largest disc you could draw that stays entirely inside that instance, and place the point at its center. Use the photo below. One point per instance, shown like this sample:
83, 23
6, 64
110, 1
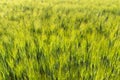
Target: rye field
59, 39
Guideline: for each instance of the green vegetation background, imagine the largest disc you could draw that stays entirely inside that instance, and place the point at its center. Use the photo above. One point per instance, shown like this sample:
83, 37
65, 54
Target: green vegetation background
59, 39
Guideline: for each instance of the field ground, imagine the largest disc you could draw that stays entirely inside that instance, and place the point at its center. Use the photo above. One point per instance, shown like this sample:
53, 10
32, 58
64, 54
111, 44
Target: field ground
60, 40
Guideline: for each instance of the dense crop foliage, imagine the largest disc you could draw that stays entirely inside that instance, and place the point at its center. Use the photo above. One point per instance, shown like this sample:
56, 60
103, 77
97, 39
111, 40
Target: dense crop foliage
59, 39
